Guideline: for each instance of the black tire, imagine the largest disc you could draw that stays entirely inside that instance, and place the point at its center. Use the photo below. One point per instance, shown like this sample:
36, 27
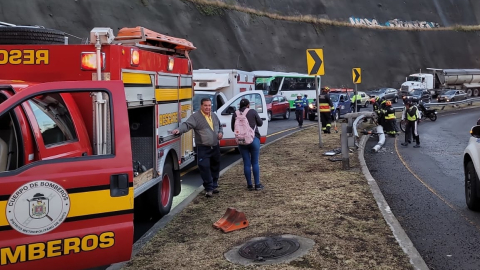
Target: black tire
403, 124
469, 92
471, 181
475, 92
433, 117
11, 35
337, 115
287, 114
311, 117
366, 104
395, 100
161, 195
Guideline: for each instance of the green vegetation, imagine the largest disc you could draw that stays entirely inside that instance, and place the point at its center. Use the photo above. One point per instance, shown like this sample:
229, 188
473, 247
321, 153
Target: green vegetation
216, 7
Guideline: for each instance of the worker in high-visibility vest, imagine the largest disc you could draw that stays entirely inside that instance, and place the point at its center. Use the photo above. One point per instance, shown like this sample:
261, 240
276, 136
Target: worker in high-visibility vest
356, 101
390, 119
412, 114
326, 106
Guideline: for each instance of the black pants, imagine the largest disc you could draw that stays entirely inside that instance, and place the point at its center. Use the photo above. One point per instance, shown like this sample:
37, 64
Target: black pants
299, 117
208, 162
411, 129
326, 118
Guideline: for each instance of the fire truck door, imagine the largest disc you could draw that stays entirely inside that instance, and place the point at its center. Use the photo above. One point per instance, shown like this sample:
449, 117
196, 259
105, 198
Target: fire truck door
69, 212
257, 103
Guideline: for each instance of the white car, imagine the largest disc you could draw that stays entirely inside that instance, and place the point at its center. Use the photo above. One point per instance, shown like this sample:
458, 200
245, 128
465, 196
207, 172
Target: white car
471, 165
365, 99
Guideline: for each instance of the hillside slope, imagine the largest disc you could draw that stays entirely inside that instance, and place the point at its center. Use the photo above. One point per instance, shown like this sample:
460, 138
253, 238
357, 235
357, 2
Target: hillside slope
232, 39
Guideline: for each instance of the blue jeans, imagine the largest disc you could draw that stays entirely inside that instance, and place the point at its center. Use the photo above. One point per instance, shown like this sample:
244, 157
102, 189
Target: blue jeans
250, 154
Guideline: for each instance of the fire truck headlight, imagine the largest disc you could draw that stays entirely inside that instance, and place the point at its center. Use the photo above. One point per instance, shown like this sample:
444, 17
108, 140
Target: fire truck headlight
89, 61
171, 62
135, 57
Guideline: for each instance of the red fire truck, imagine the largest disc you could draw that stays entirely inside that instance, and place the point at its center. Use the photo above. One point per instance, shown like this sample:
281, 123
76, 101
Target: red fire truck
85, 129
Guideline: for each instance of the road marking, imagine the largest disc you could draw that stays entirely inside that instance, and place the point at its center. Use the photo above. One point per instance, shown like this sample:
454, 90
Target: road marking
433, 190
273, 134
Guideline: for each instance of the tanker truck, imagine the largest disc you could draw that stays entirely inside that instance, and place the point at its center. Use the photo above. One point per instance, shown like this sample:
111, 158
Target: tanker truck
441, 79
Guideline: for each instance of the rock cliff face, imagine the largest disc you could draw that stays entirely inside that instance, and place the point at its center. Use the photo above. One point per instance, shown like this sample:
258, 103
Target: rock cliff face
232, 39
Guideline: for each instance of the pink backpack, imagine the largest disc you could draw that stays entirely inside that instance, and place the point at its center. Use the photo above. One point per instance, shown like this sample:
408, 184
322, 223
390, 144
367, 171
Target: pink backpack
244, 134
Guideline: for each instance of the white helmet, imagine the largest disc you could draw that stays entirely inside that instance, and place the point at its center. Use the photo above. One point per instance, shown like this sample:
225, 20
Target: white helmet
299, 95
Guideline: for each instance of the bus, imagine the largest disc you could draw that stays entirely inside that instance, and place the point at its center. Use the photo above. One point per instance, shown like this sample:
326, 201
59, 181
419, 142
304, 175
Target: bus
288, 84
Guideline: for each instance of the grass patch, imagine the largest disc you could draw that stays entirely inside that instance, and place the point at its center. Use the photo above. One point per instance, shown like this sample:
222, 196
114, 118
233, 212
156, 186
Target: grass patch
229, 5
305, 195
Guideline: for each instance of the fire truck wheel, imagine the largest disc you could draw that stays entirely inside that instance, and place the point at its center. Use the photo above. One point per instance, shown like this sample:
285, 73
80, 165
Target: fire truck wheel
30, 35
161, 195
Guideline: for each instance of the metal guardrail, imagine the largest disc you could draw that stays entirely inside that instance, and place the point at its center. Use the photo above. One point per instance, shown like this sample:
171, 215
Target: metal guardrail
444, 104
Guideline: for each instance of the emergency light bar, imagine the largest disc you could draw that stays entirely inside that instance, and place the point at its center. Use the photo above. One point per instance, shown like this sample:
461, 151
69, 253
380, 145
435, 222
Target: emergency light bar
89, 61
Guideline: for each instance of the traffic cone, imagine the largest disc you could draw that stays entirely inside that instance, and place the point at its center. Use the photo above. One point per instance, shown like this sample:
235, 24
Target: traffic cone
232, 220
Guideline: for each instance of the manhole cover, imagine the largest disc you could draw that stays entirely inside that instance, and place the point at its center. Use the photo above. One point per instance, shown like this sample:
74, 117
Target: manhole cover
269, 248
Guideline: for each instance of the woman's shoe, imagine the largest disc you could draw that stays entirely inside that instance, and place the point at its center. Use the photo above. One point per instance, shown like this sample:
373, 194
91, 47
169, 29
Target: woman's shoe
259, 187
250, 187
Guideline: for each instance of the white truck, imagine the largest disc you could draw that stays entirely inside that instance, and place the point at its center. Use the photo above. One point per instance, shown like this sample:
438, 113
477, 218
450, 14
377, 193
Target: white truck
441, 79
225, 88
220, 85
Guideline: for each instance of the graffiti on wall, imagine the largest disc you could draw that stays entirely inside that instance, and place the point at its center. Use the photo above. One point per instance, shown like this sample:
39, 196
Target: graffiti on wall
393, 23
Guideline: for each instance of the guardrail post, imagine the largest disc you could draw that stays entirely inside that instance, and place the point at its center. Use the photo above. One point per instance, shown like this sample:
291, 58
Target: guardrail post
345, 152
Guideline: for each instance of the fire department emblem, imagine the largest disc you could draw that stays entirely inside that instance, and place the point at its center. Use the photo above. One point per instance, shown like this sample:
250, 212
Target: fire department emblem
37, 207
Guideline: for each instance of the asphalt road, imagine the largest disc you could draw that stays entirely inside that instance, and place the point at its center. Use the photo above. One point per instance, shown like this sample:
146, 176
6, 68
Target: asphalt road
425, 190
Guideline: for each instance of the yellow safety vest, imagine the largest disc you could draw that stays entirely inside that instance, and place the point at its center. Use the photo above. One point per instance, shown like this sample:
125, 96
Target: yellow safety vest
390, 116
410, 117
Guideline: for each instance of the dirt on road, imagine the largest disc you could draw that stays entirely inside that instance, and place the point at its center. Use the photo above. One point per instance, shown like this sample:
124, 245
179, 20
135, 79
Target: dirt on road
305, 194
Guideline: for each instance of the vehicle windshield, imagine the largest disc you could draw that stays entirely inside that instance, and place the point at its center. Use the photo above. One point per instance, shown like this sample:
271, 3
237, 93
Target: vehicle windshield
269, 85
417, 92
268, 100
334, 97
198, 97
414, 79
381, 90
450, 92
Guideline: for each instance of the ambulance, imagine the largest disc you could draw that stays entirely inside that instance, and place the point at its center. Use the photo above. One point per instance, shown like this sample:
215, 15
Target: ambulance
225, 88
85, 130
220, 85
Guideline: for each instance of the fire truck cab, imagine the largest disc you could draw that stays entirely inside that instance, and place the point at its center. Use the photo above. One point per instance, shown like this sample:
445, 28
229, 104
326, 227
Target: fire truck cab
84, 130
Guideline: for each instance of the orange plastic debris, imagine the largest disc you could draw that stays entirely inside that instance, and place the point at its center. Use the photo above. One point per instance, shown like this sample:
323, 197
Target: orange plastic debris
232, 220
149, 36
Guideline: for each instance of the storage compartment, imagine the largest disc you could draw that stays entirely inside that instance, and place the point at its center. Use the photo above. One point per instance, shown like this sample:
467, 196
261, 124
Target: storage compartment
141, 122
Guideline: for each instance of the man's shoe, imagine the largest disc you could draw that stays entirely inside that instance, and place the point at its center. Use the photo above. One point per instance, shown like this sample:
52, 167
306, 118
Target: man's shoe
259, 187
416, 146
409, 141
250, 187
404, 144
208, 194
216, 191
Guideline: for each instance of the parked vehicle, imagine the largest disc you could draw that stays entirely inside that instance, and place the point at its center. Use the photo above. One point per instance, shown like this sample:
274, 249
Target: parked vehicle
341, 104
277, 105
82, 139
228, 86
389, 94
365, 101
418, 95
287, 84
452, 95
471, 165
441, 79
224, 113
426, 112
